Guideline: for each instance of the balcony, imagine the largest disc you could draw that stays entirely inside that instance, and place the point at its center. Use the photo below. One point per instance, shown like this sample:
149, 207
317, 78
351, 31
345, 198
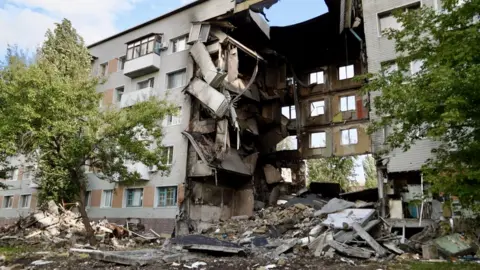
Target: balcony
142, 65
131, 98
141, 168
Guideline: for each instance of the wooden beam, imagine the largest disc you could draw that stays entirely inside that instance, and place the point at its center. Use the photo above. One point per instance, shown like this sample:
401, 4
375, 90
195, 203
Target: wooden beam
381, 252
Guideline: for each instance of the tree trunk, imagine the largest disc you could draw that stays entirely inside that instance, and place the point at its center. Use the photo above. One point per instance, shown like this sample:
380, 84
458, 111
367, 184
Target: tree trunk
86, 221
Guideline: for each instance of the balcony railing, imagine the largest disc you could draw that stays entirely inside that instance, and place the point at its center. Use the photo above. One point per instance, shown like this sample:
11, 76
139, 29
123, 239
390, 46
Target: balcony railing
142, 65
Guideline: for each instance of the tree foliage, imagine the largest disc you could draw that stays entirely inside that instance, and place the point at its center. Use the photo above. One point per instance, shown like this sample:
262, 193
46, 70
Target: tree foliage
333, 169
49, 112
440, 102
370, 172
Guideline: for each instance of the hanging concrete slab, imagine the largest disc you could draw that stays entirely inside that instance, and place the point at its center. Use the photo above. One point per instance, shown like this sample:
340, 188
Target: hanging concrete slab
272, 174
208, 96
209, 72
233, 162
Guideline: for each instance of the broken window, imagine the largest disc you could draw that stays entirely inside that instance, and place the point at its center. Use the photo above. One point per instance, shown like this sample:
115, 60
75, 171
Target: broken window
318, 139
134, 197
25, 201
144, 46
167, 155
349, 136
145, 84
179, 44
107, 198
317, 108
171, 120
103, 69
118, 93
289, 112
390, 68
176, 79
317, 77
346, 72
7, 201
347, 103
167, 196
289, 81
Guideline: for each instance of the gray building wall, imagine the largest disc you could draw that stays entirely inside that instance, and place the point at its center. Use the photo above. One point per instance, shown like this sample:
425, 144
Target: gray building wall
380, 50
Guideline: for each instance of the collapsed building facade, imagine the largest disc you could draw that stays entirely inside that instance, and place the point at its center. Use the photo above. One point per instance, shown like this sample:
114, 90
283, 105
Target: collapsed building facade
242, 87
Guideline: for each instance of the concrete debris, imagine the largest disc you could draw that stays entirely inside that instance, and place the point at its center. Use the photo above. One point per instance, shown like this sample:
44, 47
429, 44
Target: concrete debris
333, 206
453, 245
346, 218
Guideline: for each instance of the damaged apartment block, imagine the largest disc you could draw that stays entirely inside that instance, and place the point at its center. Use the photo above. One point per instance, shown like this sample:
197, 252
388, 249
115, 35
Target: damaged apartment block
252, 87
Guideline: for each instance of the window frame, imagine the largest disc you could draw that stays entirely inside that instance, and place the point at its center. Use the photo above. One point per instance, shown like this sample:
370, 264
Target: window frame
152, 44
349, 136
316, 73
150, 81
348, 109
118, 98
412, 5
21, 200
178, 118
104, 69
126, 197
174, 40
88, 198
169, 154
291, 108
10, 200
346, 72
121, 63
312, 110
103, 200
310, 138
178, 71
164, 191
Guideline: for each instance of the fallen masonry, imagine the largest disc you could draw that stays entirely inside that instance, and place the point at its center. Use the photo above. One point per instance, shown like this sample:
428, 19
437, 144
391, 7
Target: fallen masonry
277, 234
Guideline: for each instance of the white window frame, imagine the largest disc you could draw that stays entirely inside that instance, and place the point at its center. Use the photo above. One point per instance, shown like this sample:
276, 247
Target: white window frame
12, 175
317, 77
317, 108
157, 197
346, 72
412, 66
173, 120
104, 198
150, 81
350, 132
348, 105
21, 200
173, 41
5, 201
141, 198
184, 83
170, 153
290, 109
321, 144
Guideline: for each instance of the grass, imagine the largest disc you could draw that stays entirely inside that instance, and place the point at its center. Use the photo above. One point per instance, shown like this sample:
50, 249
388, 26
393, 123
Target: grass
436, 266
11, 252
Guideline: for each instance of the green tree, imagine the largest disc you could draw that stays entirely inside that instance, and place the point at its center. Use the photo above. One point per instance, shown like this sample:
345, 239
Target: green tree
50, 113
333, 169
440, 102
370, 172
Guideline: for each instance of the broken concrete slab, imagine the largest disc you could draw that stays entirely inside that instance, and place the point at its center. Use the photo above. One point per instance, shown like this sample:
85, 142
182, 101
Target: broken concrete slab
453, 245
351, 251
381, 252
208, 96
204, 243
272, 174
285, 247
334, 205
233, 250
322, 244
345, 218
210, 73
393, 248
429, 251
347, 236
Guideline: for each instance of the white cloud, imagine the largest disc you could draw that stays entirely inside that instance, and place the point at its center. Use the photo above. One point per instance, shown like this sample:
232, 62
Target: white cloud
24, 22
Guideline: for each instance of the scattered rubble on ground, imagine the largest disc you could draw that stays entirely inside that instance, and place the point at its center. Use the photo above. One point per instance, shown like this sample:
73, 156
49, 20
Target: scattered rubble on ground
321, 228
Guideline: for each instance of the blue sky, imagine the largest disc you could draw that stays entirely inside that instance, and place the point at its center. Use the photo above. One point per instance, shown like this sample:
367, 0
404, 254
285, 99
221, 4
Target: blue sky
24, 22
